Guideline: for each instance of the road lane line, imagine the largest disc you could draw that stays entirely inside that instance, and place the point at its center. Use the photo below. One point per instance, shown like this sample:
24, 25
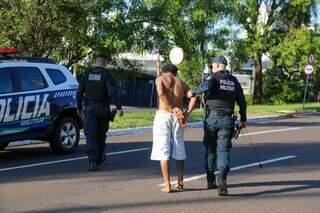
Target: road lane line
128, 151
70, 159
237, 168
271, 131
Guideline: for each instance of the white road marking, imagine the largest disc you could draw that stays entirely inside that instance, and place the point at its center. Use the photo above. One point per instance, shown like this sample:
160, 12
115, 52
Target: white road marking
237, 168
271, 131
70, 159
128, 151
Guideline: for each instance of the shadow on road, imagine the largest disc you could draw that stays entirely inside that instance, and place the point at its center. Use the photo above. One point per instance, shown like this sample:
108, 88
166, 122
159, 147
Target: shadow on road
173, 200
287, 122
137, 165
289, 186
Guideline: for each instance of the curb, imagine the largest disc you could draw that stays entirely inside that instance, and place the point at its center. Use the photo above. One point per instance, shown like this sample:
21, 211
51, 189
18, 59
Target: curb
142, 130
198, 124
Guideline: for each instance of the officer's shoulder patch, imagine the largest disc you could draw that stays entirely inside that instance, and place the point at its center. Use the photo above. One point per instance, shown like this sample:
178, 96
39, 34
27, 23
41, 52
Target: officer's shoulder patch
94, 77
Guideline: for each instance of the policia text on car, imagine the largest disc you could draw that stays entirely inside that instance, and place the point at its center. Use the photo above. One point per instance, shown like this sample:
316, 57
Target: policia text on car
95, 93
222, 91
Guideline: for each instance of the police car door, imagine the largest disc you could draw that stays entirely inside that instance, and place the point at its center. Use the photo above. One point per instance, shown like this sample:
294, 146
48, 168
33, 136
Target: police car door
31, 106
8, 107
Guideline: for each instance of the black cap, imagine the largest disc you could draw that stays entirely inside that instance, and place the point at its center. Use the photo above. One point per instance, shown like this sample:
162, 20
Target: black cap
220, 60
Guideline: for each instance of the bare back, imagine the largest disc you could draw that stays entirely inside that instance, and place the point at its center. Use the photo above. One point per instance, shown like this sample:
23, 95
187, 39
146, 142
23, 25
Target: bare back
171, 91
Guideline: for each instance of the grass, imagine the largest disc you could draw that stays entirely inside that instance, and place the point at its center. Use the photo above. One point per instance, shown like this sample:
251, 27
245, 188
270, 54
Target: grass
145, 118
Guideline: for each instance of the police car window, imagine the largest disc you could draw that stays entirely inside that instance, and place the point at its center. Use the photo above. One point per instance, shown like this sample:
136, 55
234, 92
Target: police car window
6, 85
30, 78
56, 76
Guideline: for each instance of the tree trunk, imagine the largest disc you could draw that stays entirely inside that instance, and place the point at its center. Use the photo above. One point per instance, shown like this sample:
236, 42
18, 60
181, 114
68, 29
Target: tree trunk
257, 94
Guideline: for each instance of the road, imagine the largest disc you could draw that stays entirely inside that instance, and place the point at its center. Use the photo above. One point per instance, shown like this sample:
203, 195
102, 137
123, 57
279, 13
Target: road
33, 179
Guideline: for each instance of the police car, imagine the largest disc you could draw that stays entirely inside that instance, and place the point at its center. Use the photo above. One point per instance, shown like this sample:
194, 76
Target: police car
38, 101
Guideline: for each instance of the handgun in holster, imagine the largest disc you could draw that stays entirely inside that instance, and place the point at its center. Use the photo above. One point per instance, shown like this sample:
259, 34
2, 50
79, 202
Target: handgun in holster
113, 113
236, 132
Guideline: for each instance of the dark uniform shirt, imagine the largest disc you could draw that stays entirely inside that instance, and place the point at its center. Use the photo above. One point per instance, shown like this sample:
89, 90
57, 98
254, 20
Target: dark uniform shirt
222, 91
97, 84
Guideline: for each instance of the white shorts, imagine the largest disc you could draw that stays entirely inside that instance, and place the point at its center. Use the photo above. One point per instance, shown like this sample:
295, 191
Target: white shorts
167, 137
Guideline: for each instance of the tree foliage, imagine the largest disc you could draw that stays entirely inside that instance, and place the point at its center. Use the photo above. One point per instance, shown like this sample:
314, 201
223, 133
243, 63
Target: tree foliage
70, 30
266, 24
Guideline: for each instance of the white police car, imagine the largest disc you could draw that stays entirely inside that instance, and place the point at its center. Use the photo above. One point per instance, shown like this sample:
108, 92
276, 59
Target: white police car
38, 101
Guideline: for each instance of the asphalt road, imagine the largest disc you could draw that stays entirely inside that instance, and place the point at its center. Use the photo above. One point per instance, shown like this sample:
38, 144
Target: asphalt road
33, 179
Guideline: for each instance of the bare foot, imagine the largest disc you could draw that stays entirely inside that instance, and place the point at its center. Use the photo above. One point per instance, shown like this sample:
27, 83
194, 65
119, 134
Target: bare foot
166, 189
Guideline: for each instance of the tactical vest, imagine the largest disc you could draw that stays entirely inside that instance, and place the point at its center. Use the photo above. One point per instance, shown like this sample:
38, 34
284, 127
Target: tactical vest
95, 85
222, 96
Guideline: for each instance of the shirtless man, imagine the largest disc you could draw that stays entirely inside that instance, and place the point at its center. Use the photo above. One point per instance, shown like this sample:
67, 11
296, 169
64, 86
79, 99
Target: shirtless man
169, 122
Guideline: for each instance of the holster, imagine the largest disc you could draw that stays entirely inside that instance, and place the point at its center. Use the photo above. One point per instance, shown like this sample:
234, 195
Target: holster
236, 131
113, 113
207, 111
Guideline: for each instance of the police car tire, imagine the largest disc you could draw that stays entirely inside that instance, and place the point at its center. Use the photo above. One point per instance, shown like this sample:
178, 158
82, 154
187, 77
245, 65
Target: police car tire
3, 145
56, 144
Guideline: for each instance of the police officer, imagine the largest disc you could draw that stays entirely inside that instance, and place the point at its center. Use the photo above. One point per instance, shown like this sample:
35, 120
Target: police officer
96, 91
222, 91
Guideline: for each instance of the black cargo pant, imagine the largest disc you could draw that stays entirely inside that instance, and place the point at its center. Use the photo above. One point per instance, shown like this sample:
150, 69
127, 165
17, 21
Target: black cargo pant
96, 125
217, 142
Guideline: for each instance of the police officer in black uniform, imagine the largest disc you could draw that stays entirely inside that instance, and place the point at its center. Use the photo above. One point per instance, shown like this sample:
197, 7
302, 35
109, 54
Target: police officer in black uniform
95, 93
222, 91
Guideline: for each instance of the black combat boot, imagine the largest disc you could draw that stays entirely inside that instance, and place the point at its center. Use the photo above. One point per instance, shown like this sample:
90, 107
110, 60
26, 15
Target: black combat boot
222, 183
92, 165
211, 181
101, 159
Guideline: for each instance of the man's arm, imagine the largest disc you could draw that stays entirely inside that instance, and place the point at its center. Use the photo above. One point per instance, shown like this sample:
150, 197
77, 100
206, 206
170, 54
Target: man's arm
114, 94
241, 101
80, 92
192, 101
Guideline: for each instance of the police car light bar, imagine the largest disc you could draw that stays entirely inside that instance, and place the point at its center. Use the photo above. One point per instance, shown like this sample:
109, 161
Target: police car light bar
5, 56
7, 51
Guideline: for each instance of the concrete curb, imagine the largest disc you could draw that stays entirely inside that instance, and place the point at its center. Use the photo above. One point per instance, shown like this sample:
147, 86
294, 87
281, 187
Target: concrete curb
142, 130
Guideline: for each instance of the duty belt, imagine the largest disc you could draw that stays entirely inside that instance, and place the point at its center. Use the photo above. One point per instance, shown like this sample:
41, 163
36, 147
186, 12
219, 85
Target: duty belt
218, 112
97, 102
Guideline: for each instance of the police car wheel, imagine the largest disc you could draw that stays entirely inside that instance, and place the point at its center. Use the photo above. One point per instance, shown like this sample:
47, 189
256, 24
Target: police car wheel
66, 137
3, 145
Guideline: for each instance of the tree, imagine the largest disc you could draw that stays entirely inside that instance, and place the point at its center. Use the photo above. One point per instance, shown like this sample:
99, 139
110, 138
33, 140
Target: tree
266, 23
45, 28
189, 24
65, 30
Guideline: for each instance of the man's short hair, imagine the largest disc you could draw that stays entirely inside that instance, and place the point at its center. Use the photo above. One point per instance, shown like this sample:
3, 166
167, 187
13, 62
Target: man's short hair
170, 68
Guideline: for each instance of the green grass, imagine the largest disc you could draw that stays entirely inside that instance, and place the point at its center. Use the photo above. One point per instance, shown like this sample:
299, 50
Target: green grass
144, 119
278, 109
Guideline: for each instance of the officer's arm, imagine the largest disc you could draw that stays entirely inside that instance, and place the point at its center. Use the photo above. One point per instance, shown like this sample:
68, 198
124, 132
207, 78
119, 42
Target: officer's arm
113, 92
241, 101
204, 87
80, 92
